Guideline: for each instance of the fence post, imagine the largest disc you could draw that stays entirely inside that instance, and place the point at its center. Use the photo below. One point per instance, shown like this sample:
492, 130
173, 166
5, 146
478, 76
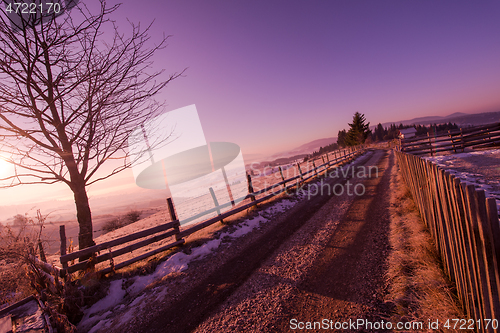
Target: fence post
173, 217
462, 139
326, 168
300, 172
315, 170
471, 209
488, 253
430, 143
470, 278
42, 252
475, 282
282, 177
62, 234
216, 202
229, 192
492, 216
250, 187
452, 142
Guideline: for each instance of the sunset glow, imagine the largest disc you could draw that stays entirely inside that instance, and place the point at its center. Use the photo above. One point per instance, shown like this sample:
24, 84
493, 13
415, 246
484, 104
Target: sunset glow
5, 168
271, 76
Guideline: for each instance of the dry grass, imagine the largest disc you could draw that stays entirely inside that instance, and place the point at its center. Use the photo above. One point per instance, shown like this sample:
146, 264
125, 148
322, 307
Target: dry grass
121, 221
14, 283
148, 266
15, 246
21, 276
418, 286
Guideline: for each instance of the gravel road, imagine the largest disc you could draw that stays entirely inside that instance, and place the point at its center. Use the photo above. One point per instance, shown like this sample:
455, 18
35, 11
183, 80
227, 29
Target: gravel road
323, 259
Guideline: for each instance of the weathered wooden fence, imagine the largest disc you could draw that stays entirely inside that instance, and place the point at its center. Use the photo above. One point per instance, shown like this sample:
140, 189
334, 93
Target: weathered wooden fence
465, 226
458, 140
171, 229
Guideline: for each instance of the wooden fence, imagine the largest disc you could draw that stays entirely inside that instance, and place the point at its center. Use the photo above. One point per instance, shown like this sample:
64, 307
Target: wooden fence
171, 229
458, 140
465, 226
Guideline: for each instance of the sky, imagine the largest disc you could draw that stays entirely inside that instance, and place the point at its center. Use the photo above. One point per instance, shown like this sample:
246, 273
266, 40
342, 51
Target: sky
261, 72
272, 75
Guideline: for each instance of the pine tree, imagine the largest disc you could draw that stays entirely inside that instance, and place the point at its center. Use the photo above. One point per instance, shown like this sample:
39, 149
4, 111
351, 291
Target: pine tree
341, 138
379, 132
358, 131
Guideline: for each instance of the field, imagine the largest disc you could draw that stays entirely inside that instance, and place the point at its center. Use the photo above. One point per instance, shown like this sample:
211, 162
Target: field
480, 168
476, 167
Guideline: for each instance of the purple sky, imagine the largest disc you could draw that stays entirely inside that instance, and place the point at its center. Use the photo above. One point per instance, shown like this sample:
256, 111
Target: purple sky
271, 75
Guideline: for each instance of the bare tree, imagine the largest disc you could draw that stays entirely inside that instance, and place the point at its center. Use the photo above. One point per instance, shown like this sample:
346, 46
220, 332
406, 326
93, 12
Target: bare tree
20, 220
72, 90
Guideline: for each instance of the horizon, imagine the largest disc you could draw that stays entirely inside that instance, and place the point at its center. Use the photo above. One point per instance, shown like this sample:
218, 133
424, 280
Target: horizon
131, 188
272, 78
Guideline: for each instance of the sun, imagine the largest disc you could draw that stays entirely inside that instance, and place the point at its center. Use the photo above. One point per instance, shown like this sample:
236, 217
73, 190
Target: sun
5, 168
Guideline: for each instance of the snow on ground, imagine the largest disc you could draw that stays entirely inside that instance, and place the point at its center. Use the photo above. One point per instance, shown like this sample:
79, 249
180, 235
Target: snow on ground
480, 168
99, 315
95, 317
98, 311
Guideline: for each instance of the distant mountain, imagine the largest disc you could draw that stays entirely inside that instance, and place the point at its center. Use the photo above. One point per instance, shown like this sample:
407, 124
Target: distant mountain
298, 153
475, 119
316, 144
253, 157
458, 114
460, 118
306, 148
112, 203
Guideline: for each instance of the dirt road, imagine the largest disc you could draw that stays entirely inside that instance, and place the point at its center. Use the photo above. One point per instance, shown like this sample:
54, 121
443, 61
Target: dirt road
346, 281
324, 259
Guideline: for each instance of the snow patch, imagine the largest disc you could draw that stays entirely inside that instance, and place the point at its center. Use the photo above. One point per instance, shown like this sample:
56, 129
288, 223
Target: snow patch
113, 298
95, 317
446, 162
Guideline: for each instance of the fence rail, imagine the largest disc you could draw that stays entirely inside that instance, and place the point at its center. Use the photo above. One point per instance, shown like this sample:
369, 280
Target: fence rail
476, 137
91, 255
465, 227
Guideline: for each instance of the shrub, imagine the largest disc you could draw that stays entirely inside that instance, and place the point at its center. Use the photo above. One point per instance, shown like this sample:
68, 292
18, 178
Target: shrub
113, 224
20, 220
119, 222
133, 216
21, 275
17, 244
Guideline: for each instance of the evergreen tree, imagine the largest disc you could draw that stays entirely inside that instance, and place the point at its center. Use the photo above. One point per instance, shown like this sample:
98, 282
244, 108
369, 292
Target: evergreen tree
341, 138
379, 132
358, 131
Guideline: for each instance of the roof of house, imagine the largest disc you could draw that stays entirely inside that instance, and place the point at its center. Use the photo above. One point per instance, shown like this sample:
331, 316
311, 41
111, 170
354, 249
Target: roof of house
408, 130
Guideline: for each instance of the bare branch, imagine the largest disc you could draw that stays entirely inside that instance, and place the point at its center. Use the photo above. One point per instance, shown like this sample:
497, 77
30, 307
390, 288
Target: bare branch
71, 95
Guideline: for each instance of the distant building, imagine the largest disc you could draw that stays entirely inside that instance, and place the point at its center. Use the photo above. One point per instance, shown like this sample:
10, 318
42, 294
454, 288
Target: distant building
407, 133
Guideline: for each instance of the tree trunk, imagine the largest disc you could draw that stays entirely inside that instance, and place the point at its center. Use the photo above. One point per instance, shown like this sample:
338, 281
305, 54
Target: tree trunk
84, 216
